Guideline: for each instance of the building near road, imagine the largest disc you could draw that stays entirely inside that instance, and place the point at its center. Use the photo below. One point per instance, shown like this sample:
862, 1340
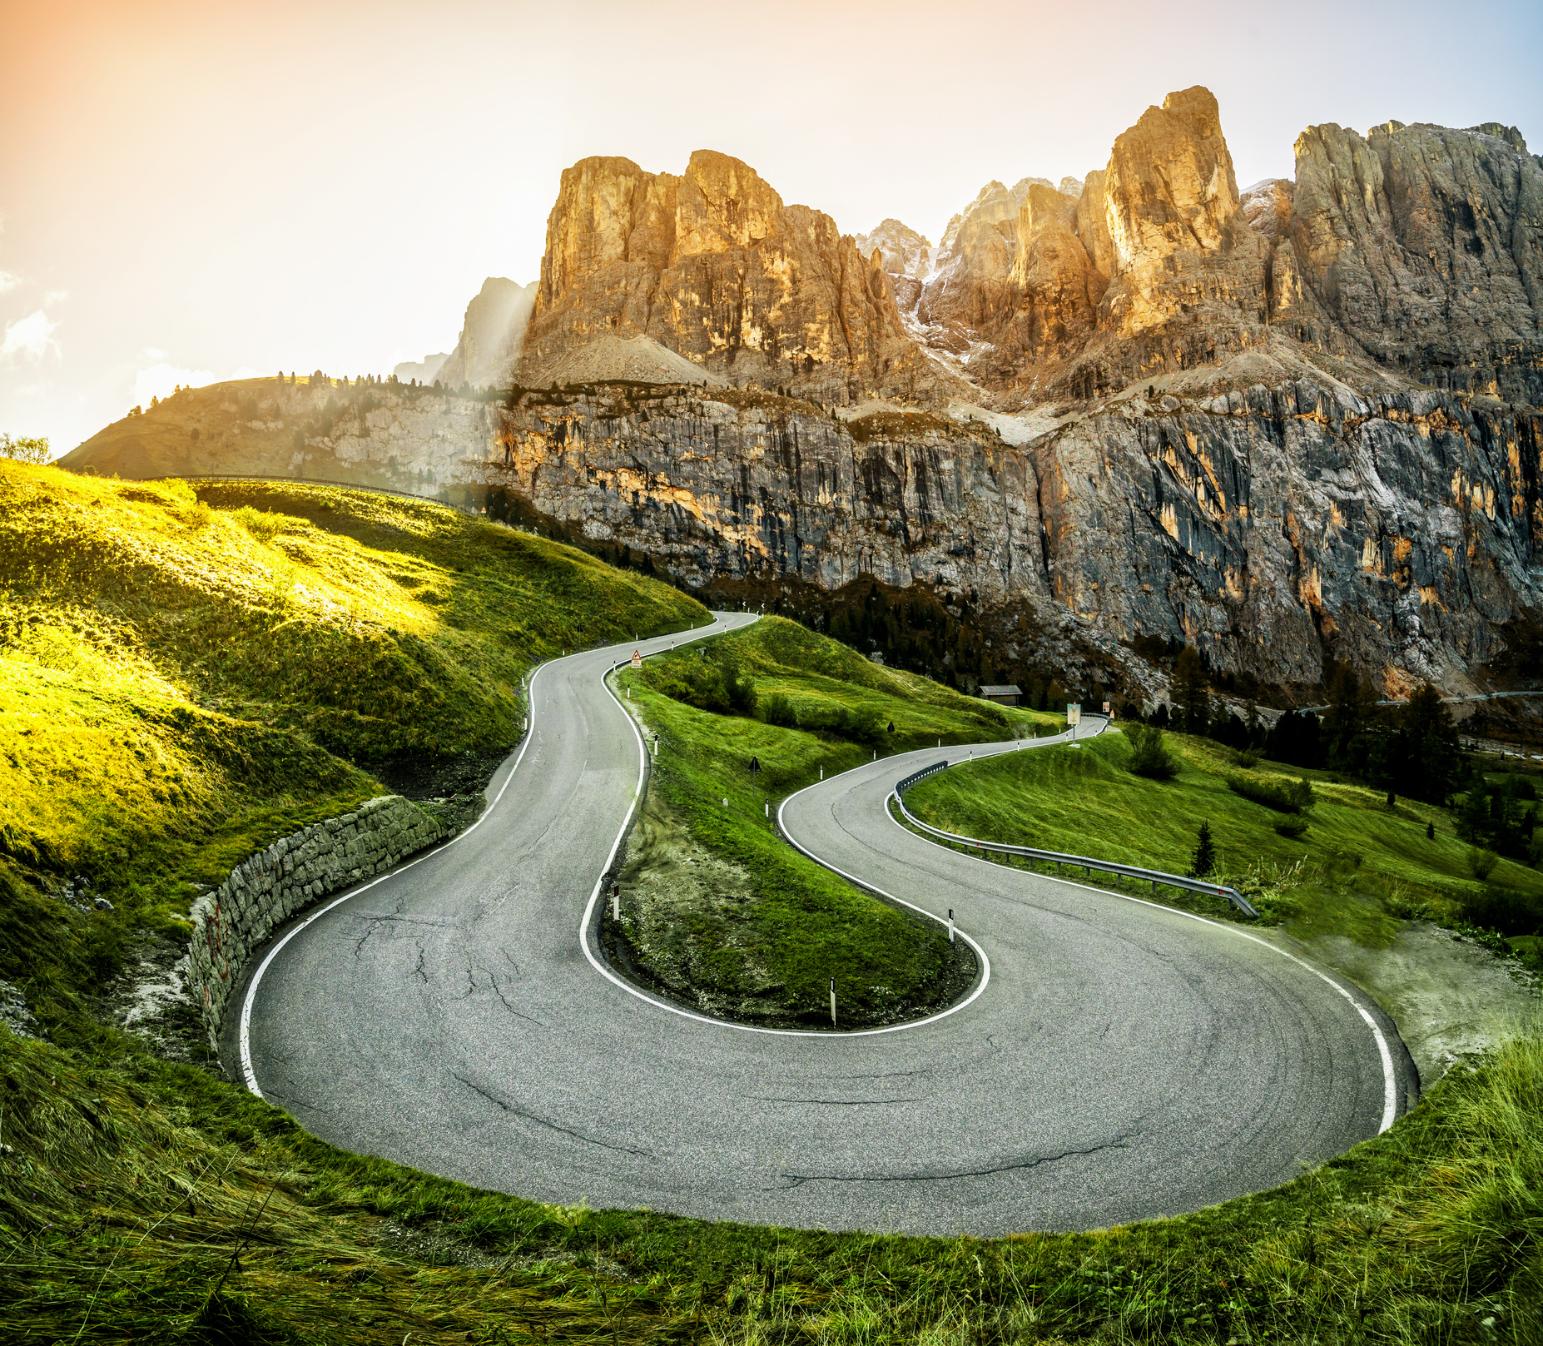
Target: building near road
1008, 694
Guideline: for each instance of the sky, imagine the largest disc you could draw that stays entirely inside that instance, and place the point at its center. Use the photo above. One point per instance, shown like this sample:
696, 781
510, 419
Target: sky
194, 191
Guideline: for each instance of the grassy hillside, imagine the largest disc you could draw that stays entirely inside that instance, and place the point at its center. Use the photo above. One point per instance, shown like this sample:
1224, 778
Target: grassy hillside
1358, 888
717, 909
187, 674
1357, 870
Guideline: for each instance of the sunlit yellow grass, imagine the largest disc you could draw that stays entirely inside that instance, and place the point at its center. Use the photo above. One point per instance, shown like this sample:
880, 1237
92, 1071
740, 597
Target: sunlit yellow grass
188, 671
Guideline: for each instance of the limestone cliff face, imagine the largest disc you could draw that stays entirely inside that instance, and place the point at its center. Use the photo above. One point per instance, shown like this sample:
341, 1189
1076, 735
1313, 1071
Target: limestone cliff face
1426, 246
1271, 526
713, 267
491, 336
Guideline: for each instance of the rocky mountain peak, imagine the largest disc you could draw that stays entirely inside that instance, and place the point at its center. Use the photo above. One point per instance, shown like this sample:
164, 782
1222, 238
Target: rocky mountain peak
710, 266
968, 282
1170, 185
903, 251
723, 203
1425, 245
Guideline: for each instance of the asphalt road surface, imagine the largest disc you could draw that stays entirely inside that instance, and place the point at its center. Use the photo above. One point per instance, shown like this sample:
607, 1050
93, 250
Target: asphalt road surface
1117, 1060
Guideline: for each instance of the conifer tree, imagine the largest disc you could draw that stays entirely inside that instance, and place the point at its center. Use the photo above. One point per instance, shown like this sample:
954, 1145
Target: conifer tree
1204, 860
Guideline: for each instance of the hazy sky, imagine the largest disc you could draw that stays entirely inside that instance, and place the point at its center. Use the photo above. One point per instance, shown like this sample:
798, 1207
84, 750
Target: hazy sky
195, 190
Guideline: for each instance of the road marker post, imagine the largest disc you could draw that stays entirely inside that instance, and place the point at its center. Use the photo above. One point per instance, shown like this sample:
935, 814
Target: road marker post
768, 808
822, 770
832, 1002
616, 904
950, 925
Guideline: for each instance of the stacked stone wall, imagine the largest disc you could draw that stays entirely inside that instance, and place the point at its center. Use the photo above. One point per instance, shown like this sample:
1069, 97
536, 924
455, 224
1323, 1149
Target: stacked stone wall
234, 920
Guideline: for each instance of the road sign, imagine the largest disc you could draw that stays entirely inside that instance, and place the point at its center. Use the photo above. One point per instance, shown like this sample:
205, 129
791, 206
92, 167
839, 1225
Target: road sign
637, 659
1073, 713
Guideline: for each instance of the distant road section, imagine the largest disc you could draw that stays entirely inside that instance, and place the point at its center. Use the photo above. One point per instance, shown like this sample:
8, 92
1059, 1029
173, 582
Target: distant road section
1122, 1060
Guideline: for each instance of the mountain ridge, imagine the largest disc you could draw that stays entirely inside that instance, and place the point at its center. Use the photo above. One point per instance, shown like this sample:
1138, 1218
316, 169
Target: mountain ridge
1291, 424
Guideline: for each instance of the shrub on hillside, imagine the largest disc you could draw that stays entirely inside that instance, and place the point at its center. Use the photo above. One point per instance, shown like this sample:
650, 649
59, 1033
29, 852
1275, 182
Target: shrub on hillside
1282, 796
710, 684
1203, 862
738, 687
1148, 756
1293, 827
1481, 863
1504, 909
778, 709
843, 722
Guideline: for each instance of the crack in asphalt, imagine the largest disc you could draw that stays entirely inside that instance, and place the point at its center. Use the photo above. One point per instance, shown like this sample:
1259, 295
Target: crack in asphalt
831, 1102
505, 1106
881, 1075
1017, 1165
418, 971
373, 919
473, 985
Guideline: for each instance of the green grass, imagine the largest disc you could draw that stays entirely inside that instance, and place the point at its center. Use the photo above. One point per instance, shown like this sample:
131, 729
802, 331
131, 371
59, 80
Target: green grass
717, 909
147, 1201
1358, 872
187, 674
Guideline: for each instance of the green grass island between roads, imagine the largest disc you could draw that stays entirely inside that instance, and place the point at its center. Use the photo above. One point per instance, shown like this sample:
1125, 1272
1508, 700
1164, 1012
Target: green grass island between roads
191, 671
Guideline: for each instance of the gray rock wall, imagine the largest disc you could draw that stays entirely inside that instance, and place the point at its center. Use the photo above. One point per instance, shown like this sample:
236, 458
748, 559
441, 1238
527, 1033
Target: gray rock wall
266, 889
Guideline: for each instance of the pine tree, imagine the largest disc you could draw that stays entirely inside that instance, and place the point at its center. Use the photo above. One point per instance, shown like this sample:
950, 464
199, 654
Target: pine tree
1424, 753
1191, 692
1204, 860
1350, 724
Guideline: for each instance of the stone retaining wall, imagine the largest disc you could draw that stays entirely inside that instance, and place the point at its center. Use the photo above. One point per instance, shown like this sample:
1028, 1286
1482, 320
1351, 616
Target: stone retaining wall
266, 889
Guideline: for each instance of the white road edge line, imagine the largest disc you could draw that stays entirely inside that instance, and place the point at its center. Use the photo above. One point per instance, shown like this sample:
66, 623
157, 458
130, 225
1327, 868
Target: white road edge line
1389, 1075
586, 926
244, 1035
248, 1074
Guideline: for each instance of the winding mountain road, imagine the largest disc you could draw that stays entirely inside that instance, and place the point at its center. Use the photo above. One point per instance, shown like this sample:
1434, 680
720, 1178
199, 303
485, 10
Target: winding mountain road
1119, 1060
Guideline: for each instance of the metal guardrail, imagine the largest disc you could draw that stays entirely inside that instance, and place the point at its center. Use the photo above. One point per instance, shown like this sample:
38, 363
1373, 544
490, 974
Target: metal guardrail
1085, 862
